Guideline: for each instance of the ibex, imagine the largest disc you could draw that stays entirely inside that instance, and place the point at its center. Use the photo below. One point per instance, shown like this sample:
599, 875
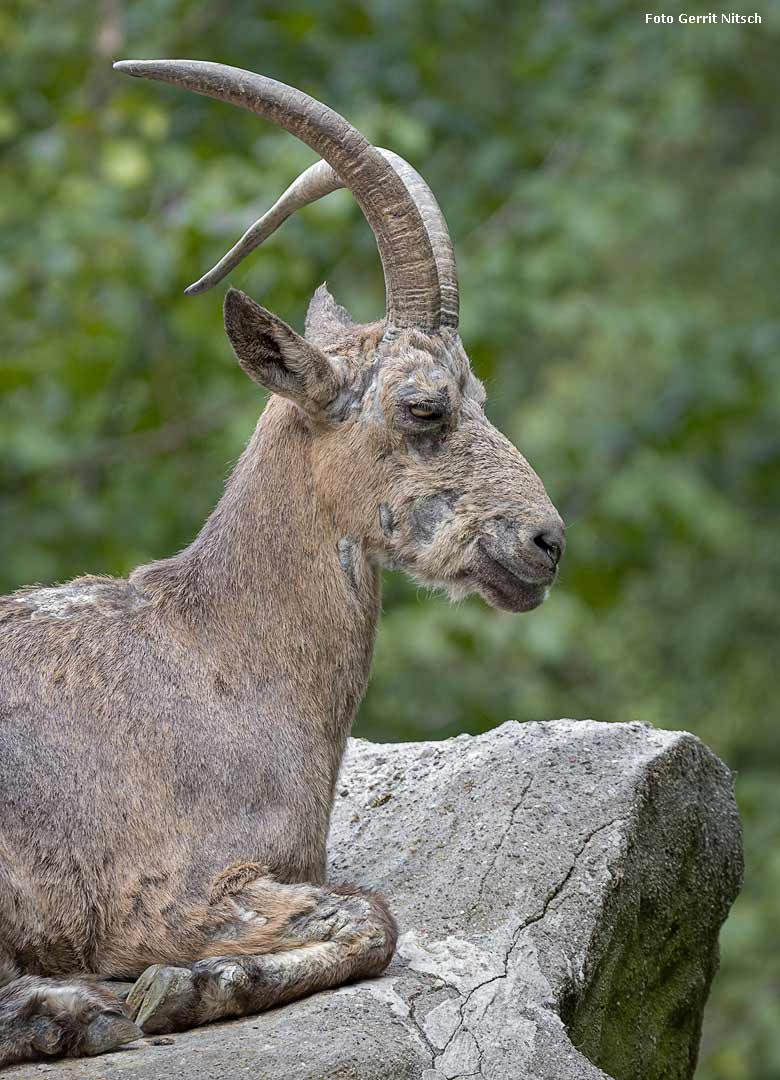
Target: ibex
170, 742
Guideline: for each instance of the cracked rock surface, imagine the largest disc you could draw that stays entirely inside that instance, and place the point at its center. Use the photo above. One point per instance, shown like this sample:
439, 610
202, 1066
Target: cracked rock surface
559, 888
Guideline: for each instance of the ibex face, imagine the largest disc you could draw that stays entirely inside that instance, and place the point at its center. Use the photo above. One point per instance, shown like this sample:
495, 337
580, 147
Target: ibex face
403, 456
457, 505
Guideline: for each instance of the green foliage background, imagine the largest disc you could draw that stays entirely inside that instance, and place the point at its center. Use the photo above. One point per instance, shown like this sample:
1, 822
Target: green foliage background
612, 190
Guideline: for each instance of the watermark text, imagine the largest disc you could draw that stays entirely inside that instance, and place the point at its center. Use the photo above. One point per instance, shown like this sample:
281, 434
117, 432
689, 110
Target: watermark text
711, 17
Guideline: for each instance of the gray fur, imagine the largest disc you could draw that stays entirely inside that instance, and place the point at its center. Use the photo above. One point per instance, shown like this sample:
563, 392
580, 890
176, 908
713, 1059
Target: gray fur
429, 512
386, 519
347, 546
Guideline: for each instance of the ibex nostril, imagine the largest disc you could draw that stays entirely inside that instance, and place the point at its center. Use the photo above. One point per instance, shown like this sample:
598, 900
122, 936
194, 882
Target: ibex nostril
551, 541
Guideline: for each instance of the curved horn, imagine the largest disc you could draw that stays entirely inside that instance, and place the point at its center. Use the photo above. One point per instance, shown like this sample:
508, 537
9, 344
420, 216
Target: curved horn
313, 184
320, 180
438, 234
411, 281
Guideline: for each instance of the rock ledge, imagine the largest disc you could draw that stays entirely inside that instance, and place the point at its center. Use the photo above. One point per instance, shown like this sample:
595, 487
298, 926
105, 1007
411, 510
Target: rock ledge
559, 889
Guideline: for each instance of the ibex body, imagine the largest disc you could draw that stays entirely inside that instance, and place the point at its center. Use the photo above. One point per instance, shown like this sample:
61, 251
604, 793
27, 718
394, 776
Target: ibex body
170, 743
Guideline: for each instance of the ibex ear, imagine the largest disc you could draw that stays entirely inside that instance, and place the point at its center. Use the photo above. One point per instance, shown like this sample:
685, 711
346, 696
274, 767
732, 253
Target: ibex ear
273, 355
325, 318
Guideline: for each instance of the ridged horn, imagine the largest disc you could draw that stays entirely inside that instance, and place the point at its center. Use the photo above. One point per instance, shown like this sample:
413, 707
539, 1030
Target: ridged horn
414, 297
320, 180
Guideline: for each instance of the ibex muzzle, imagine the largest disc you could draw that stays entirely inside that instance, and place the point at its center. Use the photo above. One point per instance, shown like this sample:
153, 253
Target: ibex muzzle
170, 742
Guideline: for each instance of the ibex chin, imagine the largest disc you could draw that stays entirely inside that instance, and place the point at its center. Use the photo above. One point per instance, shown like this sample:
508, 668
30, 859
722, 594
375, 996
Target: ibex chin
170, 742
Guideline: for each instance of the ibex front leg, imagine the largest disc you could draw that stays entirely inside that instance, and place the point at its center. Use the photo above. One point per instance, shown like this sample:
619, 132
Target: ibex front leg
42, 1017
279, 942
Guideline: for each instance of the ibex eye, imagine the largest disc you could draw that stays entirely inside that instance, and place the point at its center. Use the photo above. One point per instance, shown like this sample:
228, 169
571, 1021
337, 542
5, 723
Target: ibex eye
424, 411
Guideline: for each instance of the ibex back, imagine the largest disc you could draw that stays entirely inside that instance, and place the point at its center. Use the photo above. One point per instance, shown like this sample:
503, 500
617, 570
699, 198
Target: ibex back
170, 743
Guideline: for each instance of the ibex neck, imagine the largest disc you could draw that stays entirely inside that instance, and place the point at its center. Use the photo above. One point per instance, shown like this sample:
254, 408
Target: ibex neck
267, 582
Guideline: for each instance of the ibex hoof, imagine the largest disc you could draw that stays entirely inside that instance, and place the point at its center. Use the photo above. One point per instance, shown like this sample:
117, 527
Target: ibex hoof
162, 1000
107, 1032
68, 1018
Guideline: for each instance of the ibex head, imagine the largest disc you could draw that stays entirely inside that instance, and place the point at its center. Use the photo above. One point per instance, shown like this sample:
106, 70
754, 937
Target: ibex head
402, 453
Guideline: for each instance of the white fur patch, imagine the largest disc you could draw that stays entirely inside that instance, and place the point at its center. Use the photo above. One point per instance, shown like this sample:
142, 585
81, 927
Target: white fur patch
230, 974
246, 915
65, 997
60, 601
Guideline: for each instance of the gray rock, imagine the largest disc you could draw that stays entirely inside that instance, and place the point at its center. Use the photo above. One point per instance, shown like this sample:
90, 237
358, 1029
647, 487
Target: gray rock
559, 889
